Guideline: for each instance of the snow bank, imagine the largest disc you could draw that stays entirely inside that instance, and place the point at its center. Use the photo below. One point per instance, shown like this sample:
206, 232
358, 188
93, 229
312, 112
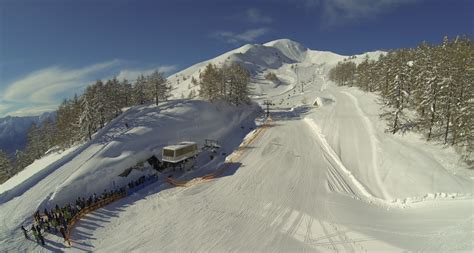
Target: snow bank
390, 167
150, 129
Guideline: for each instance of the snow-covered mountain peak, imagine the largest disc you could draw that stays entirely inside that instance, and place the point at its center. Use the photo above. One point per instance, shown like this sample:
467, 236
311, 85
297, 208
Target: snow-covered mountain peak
289, 48
276, 56
285, 43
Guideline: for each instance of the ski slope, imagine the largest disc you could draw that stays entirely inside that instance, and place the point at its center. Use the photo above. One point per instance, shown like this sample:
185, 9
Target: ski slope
322, 177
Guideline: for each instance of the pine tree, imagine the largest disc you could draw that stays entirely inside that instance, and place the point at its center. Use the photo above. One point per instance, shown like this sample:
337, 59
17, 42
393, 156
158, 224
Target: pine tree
158, 86
87, 119
48, 131
209, 83
362, 76
192, 94
21, 161
62, 119
238, 85
194, 81
34, 147
139, 90
463, 115
344, 73
99, 102
126, 93
396, 100
6, 168
113, 98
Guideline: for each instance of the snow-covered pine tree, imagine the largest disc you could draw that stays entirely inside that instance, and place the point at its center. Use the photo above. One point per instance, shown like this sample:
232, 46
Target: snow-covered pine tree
139, 90
362, 75
75, 114
209, 83
238, 85
426, 93
343, 73
113, 98
158, 86
88, 112
21, 161
463, 115
373, 72
126, 93
6, 168
48, 131
62, 124
434, 81
447, 86
67, 122
34, 147
192, 94
395, 100
194, 81
225, 81
99, 102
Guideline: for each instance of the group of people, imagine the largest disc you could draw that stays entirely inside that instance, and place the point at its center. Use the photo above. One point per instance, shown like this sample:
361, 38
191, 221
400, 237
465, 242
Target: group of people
57, 219
141, 180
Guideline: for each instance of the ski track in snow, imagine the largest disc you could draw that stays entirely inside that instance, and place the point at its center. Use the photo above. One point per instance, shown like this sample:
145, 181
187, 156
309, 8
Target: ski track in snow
291, 192
373, 143
339, 181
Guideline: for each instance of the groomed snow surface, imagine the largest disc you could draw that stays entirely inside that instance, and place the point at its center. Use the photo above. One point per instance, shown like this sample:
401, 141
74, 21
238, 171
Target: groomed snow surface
322, 177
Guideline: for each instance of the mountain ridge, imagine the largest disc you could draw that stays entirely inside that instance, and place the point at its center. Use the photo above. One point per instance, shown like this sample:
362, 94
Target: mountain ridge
13, 131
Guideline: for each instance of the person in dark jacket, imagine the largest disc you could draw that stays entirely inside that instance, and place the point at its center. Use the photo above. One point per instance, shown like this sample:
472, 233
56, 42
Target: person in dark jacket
63, 232
35, 233
25, 232
40, 236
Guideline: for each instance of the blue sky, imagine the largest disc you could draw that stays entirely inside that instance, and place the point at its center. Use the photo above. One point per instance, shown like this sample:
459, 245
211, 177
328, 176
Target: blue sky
51, 49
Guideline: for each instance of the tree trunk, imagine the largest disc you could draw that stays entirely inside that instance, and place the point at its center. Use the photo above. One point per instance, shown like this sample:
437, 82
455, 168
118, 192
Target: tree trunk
433, 113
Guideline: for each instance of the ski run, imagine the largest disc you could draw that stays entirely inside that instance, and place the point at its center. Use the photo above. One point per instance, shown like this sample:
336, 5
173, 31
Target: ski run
321, 174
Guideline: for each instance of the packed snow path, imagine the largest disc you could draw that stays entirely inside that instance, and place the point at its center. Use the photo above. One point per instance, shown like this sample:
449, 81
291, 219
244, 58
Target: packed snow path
278, 200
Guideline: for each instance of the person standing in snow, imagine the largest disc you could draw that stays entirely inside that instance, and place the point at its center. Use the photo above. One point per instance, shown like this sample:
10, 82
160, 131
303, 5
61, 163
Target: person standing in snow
55, 224
25, 232
48, 227
35, 233
40, 236
65, 224
63, 233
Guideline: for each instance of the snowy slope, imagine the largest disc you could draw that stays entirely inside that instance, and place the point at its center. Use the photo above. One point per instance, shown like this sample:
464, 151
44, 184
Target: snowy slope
95, 166
320, 178
276, 56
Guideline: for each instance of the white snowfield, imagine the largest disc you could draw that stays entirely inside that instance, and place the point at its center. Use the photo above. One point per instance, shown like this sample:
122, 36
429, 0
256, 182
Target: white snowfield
322, 177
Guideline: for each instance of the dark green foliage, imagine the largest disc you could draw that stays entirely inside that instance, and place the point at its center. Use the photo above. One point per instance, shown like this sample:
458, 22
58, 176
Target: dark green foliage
431, 83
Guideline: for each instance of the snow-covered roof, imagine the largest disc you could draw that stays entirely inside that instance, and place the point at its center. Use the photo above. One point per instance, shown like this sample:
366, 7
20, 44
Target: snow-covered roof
180, 145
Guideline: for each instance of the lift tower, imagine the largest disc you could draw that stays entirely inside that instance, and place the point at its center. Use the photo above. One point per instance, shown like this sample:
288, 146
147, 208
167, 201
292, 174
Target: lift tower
267, 103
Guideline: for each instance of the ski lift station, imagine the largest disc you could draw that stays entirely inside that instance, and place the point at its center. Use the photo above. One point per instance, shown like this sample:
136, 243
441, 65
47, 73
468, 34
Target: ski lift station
179, 152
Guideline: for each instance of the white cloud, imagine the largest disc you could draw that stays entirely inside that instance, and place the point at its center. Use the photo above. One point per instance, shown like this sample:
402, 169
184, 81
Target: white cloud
33, 111
42, 86
131, 75
338, 12
246, 36
43, 90
4, 108
256, 16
